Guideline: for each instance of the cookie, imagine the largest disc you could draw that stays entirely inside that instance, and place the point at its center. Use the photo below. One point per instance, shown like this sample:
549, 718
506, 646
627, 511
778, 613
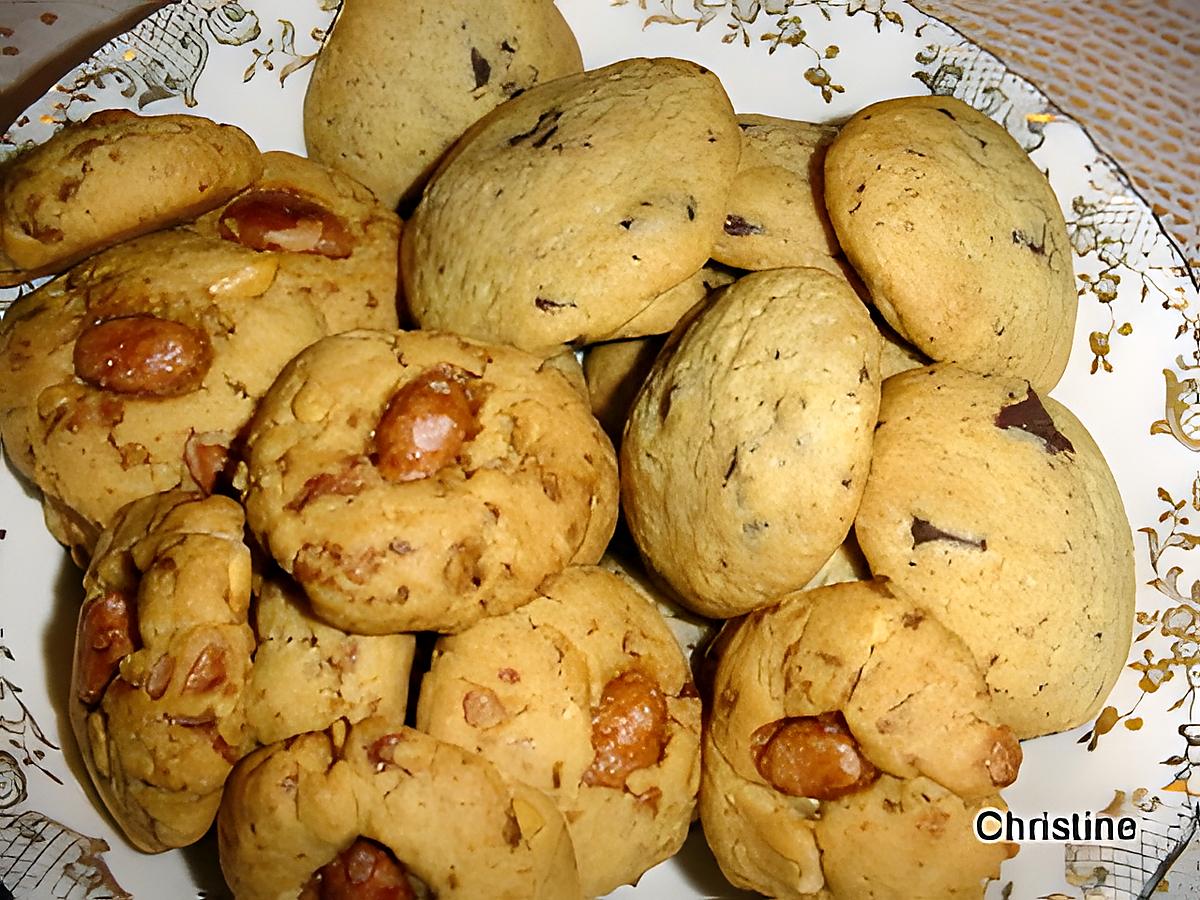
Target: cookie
957, 234
665, 310
380, 810
564, 213
419, 481
776, 208
113, 177
746, 452
161, 659
135, 372
993, 508
583, 694
615, 372
828, 706
394, 87
308, 674
335, 243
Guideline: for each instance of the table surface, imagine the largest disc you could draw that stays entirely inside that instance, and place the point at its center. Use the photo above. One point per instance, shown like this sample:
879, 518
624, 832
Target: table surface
1127, 71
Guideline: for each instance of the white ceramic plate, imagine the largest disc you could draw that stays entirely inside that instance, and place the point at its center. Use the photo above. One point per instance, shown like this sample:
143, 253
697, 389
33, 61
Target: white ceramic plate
1130, 380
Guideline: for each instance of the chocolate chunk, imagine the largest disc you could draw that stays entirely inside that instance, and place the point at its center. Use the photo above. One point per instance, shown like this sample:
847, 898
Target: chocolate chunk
923, 532
739, 227
481, 67
551, 305
1029, 415
547, 121
1039, 249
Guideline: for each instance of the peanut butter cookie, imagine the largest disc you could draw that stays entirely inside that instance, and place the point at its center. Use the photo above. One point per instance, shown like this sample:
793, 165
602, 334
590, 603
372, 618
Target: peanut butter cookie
584, 694
162, 656
420, 481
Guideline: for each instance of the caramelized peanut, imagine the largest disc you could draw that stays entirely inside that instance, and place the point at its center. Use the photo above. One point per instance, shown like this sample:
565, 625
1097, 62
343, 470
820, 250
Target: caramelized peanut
483, 709
1004, 762
426, 424
363, 871
207, 671
143, 355
281, 220
381, 752
629, 729
107, 634
811, 756
206, 457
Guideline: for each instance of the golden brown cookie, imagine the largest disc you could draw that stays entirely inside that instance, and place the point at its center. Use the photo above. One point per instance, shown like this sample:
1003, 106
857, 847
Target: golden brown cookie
993, 508
957, 234
136, 371
776, 209
419, 480
746, 452
335, 243
828, 706
566, 212
162, 655
379, 805
615, 372
113, 177
584, 694
395, 85
308, 674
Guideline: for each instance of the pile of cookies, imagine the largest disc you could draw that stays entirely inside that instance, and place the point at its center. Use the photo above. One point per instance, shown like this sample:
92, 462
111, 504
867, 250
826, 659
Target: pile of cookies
359, 594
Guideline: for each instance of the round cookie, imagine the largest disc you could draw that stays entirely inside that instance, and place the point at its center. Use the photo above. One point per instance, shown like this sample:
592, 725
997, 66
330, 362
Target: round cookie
135, 372
301, 817
161, 658
564, 213
113, 177
746, 452
584, 694
395, 85
665, 310
419, 481
335, 243
994, 509
957, 234
829, 705
776, 209
307, 674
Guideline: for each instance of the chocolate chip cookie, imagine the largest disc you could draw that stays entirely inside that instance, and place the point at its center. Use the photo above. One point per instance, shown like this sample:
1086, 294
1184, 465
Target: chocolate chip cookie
957, 234
565, 212
992, 507
747, 450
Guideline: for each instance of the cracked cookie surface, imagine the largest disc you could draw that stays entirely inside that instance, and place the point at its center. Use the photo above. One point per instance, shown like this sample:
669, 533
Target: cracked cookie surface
136, 371
745, 454
993, 508
444, 821
162, 657
957, 234
584, 694
844, 711
420, 481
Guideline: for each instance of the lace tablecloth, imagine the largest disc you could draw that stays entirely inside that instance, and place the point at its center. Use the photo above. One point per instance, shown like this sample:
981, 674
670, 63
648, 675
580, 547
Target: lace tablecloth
1127, 71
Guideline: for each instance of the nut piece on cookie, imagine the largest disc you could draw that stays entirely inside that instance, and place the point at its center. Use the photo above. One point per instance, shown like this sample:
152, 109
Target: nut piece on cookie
380, 810
420, 481
307, 674
113, 177
396, 84
776, 209
135, 372
584, 694
745, 454
828, 706
992, 507
957, 235
162, 655
567, 211
334, 242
